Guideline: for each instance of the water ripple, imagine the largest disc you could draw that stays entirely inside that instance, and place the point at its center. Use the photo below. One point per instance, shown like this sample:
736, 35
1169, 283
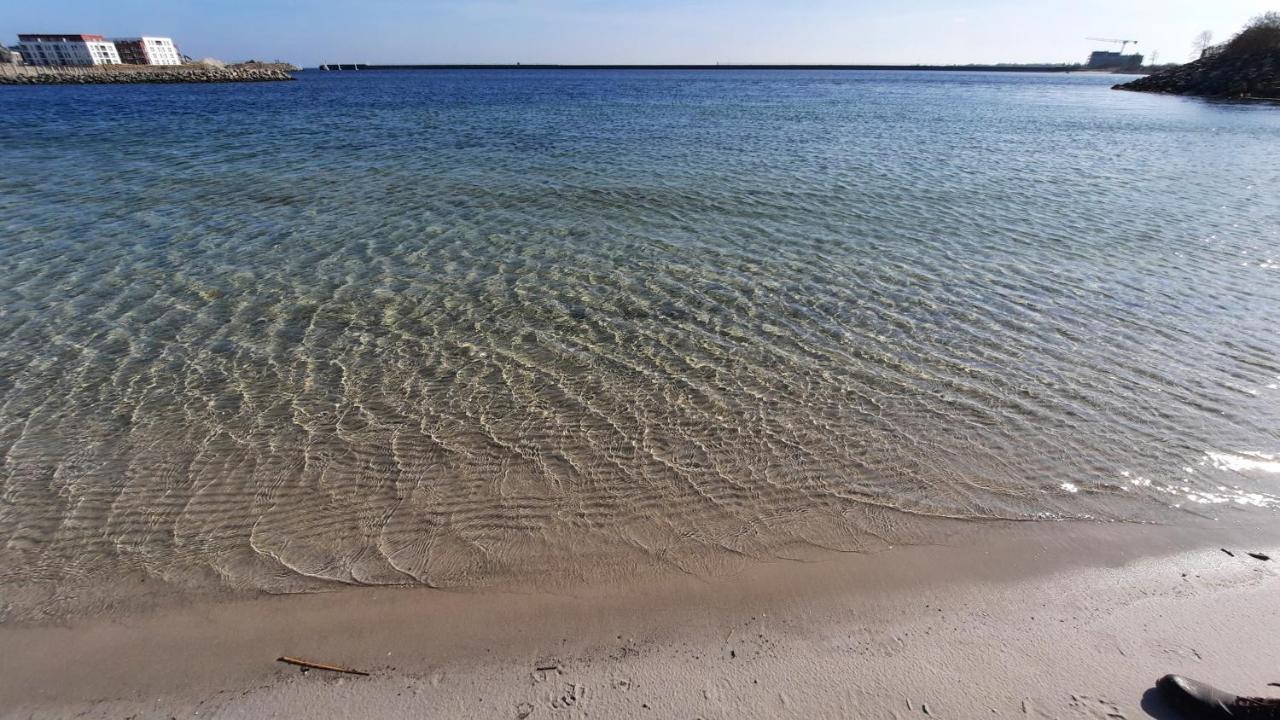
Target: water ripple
459, 329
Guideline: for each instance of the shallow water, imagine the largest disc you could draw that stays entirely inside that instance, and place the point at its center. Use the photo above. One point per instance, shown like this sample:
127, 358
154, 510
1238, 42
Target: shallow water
451, 327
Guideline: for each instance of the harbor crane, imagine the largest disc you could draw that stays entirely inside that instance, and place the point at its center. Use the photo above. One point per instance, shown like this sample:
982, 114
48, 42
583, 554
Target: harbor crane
1123, 43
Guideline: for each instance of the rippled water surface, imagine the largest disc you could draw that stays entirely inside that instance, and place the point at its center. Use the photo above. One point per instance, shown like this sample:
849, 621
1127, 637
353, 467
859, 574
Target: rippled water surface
453, 327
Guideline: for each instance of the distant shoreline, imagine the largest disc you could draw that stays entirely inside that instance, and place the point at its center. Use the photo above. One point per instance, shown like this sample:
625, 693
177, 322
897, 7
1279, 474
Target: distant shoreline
357, 67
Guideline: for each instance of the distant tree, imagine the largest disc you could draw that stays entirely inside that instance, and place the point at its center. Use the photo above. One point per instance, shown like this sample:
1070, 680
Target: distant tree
1262, 34
1201, 45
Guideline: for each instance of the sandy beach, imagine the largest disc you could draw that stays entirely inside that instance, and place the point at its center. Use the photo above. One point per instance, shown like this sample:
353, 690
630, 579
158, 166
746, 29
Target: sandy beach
569, 393
1058, 620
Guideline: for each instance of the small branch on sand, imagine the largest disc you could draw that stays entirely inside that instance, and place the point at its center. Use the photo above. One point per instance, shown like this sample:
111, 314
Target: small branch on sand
308, 665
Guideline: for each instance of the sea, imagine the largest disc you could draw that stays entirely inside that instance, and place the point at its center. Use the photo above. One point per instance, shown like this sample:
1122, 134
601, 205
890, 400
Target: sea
465, 328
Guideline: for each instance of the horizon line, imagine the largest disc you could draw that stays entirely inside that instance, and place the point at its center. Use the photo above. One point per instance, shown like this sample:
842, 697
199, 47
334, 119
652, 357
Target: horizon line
1002, 67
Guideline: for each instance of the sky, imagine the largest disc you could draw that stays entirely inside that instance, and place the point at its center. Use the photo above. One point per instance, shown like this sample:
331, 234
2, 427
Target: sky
645, 31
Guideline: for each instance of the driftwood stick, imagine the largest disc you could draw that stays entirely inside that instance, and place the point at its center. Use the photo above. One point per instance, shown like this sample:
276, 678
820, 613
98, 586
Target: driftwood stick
318, 666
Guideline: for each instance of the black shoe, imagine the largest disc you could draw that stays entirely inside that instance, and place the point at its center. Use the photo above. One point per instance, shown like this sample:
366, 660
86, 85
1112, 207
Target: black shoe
1205, 701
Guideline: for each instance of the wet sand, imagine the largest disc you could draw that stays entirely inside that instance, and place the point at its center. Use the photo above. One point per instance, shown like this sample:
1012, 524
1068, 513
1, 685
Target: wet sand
1052, 620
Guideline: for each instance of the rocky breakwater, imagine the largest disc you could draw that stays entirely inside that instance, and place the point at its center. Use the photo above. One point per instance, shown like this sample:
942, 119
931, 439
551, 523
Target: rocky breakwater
1236, 77
1247, 66
144, 74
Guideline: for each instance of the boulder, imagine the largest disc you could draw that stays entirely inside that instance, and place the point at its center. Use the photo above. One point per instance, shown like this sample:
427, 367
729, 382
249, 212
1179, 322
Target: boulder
1254, 75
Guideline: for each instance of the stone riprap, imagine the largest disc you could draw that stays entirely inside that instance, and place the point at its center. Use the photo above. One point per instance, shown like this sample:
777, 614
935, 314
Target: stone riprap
33, 75
1255, 75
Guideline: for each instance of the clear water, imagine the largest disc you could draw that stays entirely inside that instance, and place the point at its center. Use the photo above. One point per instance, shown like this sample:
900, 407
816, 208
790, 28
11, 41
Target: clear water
450, 328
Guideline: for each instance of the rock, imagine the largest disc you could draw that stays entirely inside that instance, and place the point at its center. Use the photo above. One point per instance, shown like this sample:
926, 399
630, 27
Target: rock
194, 73
1252, 75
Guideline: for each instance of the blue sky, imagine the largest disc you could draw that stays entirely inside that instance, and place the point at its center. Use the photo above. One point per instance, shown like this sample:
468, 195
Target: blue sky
636, 31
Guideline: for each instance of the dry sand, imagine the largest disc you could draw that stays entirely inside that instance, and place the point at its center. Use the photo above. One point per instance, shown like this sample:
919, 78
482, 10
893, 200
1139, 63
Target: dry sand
1056, 620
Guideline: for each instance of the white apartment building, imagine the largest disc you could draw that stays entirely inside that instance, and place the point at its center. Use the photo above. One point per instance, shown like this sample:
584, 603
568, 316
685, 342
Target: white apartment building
68, 50
148, 51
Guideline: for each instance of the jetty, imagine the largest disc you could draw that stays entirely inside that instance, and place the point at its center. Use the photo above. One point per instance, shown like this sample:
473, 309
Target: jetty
138, 74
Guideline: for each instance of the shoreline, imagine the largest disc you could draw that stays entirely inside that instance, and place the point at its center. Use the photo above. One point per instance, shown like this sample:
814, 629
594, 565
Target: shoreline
1056, 619
457, 329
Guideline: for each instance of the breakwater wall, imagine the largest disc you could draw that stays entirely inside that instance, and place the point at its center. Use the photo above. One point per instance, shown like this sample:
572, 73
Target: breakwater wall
1253, 75
111, 74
